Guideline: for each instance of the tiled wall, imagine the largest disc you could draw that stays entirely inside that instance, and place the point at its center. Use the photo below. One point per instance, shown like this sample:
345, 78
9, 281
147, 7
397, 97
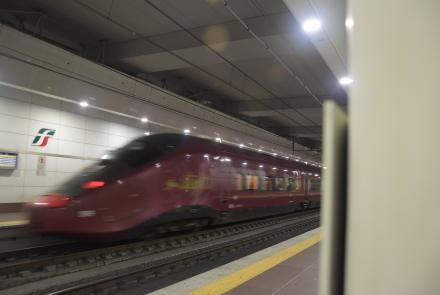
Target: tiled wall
78, 141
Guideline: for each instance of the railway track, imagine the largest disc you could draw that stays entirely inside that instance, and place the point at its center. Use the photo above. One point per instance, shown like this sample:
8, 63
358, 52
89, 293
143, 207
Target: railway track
17, 238
108, 269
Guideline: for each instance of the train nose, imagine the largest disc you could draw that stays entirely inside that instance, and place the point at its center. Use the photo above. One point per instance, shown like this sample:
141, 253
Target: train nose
49, 213
51, 201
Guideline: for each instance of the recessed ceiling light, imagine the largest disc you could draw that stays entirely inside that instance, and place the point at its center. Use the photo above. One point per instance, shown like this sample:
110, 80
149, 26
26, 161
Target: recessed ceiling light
244, 163
274, 168
144, 120
345, 81
147, 133
84, 104
261, 166
186, 131
311, 25
260, 150
218, 139
241, 145
274, 154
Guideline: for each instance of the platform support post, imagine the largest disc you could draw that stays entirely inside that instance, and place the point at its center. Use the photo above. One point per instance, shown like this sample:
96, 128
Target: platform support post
393, 226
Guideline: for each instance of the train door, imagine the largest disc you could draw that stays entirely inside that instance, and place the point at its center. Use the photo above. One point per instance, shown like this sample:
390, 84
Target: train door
198, 178
221, 179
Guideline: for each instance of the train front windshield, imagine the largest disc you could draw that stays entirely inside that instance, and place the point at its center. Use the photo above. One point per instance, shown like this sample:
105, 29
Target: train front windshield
135, 154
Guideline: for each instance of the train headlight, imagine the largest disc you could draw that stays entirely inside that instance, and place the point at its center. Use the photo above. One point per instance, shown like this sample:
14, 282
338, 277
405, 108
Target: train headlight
93, 184
52, 201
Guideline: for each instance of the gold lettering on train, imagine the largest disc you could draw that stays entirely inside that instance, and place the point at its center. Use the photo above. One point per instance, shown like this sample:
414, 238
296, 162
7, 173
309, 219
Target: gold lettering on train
188, 182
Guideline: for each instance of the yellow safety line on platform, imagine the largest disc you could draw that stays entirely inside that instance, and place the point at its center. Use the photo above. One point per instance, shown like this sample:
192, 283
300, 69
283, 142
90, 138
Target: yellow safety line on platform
237, 278
13, 223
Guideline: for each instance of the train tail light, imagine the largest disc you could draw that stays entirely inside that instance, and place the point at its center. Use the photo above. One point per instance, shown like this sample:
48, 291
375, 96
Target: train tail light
52, 201
92, 184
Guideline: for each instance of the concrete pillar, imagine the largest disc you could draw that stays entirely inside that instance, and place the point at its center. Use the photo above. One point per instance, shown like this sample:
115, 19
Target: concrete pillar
393, 234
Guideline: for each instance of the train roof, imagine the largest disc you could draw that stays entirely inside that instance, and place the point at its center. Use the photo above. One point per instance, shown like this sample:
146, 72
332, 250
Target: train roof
206, 145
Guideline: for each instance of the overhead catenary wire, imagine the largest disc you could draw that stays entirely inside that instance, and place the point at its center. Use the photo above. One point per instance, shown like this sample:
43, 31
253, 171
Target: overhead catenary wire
273, 53
213, 50
134, 33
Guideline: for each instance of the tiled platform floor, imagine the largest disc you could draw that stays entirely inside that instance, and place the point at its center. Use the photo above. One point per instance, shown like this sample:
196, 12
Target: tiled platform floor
297, 275
303, 265
7, 219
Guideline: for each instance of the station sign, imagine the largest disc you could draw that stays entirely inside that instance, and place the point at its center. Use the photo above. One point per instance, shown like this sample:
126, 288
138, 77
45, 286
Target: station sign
43, 136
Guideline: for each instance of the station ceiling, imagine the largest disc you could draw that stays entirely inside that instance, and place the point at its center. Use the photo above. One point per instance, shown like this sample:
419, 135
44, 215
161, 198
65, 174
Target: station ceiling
248, 58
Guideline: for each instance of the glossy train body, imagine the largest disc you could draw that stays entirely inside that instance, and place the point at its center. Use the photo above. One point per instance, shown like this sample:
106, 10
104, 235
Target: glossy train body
173, 181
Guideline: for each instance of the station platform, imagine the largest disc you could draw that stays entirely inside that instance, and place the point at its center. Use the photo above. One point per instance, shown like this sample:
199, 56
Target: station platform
290, 267
13, 219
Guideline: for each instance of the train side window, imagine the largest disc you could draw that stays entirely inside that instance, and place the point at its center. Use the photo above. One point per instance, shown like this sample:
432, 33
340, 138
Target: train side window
239, 183
290, 184
247, 182
261, 186
315, 185
268, 184
294, 184
252, 182
280, 184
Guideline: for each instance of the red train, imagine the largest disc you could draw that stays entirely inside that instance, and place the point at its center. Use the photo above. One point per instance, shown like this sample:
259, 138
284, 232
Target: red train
169, 182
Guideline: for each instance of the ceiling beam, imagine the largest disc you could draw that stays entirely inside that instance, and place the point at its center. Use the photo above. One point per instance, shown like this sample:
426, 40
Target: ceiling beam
266, 25
302, 131
293, 102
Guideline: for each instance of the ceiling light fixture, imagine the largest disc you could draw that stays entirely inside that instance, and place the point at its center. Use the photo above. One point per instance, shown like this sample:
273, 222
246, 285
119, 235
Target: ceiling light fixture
311, 25
147, 133
186, 131
349, 22
144, 120
84, 104
345, 81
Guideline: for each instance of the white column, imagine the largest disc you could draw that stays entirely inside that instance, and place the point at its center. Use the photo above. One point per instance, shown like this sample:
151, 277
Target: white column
393, 242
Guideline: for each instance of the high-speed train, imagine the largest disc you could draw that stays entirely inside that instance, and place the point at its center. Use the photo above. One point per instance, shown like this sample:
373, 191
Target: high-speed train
171, 182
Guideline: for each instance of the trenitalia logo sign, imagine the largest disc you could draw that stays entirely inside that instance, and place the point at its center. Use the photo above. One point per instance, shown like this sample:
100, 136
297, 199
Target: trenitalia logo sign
42, 138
